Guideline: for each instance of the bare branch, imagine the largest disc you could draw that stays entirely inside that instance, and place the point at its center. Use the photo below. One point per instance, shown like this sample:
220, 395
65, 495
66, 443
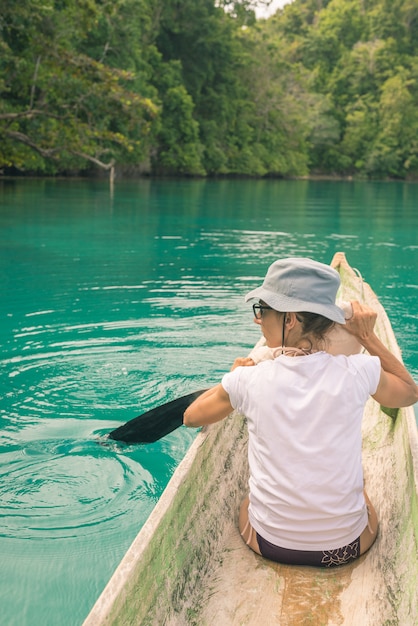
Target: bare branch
25, 114
22, 138
35, 76
52, 152
105, 166
110, 167
105, 50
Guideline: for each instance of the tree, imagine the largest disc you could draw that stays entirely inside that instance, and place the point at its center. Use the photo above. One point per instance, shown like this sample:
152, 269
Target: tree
198, 87
395, 149
60, 107
179, 150
277, 98
204, 41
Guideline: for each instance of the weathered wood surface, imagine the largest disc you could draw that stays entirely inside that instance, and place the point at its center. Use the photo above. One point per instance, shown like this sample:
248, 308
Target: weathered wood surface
188, 565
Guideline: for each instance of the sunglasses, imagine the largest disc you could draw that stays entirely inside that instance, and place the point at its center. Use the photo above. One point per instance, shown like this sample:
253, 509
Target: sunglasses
258, 310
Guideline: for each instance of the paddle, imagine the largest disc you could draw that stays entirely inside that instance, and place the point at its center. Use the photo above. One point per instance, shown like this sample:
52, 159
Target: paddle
156, 423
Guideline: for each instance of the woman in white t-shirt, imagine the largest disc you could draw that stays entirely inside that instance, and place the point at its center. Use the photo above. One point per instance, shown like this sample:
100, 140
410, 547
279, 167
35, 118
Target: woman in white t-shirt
306, 503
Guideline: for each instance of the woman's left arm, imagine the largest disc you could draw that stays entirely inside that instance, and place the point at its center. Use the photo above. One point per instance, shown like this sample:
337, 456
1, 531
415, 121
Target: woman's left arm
396, 386
210, 407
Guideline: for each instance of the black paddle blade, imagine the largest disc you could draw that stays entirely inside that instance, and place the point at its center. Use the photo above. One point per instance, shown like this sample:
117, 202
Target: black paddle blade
156, 423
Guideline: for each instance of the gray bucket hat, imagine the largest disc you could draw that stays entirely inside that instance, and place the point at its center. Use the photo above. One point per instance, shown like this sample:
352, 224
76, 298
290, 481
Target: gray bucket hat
298, 284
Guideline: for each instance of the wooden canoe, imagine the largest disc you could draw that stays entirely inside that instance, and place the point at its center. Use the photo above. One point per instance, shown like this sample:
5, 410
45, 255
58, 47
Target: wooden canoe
189, 566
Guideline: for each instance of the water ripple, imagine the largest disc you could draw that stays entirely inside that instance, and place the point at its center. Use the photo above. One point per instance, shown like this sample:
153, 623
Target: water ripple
64, 489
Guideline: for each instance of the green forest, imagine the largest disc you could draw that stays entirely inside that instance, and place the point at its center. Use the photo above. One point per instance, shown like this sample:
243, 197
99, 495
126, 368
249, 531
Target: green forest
202, 88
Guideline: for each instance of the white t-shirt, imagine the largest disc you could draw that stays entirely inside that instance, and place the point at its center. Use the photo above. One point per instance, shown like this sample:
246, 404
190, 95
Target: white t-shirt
304, 421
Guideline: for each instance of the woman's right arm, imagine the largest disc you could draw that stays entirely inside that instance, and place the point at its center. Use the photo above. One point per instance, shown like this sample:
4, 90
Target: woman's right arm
210, 407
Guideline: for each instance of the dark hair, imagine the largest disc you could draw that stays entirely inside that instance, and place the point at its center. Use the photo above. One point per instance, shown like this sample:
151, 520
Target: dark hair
314, 324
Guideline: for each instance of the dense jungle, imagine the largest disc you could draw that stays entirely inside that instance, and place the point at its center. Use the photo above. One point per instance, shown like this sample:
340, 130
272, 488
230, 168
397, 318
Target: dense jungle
203, 88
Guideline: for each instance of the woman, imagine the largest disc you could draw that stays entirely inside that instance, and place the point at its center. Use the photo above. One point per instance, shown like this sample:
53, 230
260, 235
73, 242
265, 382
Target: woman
306, 503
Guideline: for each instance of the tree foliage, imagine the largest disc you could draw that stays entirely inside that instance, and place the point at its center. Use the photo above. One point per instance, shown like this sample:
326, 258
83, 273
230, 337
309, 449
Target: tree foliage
199, 87
60, 106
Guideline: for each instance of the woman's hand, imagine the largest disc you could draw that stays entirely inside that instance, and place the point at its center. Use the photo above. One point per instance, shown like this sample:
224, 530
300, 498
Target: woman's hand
362, 323
242, 361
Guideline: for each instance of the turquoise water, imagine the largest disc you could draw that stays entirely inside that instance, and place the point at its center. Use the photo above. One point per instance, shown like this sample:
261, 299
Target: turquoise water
113, 303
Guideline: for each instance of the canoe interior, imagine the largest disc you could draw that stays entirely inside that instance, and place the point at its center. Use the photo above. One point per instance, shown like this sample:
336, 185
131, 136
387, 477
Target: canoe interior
189, 566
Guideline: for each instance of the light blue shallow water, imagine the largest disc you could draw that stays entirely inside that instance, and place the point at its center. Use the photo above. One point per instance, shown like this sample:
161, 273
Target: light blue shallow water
115, 303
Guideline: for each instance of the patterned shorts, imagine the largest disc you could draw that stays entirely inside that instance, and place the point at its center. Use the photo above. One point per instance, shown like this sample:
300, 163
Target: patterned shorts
320, 558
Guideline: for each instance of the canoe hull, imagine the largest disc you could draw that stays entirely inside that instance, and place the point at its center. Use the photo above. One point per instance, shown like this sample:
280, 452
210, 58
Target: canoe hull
189, 566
